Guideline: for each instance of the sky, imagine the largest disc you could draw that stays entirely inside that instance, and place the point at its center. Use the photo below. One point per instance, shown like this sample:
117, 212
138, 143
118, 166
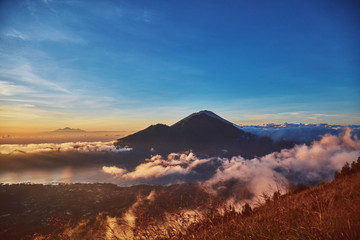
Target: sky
123, 65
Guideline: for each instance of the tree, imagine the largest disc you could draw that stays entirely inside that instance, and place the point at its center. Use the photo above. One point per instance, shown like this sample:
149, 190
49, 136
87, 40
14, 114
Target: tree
348, 169
246, 210
276, 195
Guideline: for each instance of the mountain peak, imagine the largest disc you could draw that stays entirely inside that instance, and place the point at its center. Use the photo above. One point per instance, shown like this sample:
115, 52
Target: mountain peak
201, 113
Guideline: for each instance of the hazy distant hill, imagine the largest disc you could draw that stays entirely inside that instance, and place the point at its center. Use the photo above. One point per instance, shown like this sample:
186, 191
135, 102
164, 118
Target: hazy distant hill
68, 130
203, 132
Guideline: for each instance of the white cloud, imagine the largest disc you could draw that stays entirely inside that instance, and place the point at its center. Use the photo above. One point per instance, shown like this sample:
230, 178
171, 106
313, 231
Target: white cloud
299, 133
113, 170
21, 82
302, 163
61, 147
25, 73
157, 166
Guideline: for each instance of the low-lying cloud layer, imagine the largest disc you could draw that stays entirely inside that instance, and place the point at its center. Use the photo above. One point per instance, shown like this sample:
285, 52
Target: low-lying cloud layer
157, 167
247, 178
301, 164
61, 147
251, 177
299, 133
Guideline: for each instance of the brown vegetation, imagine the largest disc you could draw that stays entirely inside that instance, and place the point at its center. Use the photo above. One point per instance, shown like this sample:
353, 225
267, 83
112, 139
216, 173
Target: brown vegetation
327, 211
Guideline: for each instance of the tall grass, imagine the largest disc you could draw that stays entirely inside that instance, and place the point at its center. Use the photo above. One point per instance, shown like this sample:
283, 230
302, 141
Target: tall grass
327, 211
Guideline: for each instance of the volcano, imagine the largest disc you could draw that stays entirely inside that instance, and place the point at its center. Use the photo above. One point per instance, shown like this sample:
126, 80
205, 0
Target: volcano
204, 133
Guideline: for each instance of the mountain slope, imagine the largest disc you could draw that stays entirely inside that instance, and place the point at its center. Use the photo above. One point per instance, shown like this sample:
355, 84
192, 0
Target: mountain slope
327, 211
203, 132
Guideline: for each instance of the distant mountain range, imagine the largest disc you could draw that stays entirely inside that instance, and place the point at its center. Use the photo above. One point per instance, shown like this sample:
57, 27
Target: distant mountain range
297, 132
68, 130
205, 133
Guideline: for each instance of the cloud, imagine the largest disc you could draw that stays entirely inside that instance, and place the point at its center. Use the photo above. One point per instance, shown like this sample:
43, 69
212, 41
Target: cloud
125, 226
113, 170
47, 1
280, 113
301, 164
241, 178
299, 133
16, 34
61, 147
232, 178
54, 98
44, 33
55, 35
158, 167
10, 89
25, 73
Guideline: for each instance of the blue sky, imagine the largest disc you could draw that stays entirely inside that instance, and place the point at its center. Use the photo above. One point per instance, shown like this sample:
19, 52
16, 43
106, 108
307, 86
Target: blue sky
126, 64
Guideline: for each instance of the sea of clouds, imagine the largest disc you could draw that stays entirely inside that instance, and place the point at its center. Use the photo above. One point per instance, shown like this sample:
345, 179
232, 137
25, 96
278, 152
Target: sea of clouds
304, 163
309, 164
61, 147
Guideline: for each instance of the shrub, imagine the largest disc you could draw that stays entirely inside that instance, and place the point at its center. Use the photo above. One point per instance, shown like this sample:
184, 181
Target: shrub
299, 188
348, 169
246, 210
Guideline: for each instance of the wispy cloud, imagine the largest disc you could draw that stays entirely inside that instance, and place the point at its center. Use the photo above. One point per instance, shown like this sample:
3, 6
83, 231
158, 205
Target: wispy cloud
16, 114
16, 34
260, 116
26, 74
39, 28
294, 116
24, 84
47, 1
10, 89
55, 35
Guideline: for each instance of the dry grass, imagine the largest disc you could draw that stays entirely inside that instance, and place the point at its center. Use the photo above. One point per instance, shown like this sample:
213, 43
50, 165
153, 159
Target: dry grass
328, 211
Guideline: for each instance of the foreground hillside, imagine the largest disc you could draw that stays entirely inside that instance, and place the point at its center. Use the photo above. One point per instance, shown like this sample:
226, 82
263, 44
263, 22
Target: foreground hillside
184, 211
327, 211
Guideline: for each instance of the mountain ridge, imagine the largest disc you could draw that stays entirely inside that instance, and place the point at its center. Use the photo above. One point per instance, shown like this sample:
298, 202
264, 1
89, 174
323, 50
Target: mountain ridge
203, 132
